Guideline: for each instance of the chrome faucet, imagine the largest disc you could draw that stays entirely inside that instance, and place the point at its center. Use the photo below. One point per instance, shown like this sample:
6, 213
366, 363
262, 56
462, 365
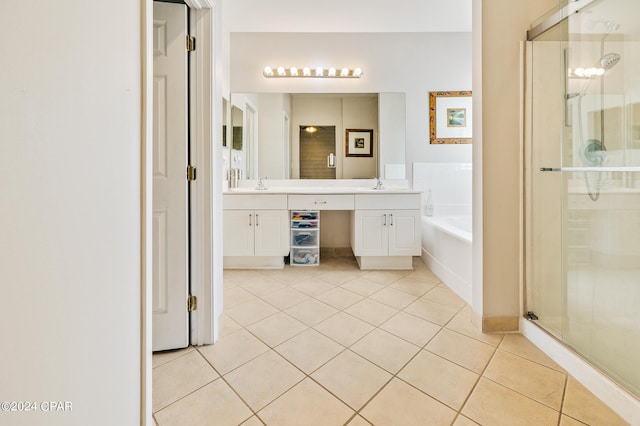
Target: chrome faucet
260, 184
378, 184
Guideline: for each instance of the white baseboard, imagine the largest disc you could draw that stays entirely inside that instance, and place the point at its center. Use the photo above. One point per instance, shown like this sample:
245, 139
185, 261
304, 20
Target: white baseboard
253, 262
620, 401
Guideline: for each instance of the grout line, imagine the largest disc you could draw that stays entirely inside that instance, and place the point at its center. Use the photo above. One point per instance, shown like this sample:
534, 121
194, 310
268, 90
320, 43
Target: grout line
473, 388
523, 395
186, 395
193, 391
395, 375
561, 371
230, 387
564, 394
316, 273
186, 351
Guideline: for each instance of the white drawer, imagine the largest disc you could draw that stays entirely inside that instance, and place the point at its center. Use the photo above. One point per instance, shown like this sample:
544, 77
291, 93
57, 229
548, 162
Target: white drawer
254, 202
321, 202
387, 201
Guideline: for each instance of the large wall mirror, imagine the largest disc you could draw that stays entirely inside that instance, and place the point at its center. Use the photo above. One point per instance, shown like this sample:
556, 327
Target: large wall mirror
276, 129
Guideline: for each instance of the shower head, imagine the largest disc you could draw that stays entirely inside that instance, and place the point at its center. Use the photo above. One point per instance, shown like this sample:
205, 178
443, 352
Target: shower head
609, 60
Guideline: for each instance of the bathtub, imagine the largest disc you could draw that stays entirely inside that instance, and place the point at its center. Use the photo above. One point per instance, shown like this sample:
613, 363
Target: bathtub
446, 249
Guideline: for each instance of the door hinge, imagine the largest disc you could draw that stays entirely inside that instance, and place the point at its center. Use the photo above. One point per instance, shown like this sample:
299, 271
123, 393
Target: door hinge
531, 316
192, 303
191, 173
191, 43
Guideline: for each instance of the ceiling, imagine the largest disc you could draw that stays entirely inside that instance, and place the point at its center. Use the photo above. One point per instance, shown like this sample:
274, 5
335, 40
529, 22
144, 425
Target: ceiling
369, 16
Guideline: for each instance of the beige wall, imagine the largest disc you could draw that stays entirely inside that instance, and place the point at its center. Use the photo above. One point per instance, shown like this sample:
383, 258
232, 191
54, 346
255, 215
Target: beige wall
360, 113
543, 210
501, 25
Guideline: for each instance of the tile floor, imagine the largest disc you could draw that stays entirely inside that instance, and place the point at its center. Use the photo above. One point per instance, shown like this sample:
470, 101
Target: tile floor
333, 345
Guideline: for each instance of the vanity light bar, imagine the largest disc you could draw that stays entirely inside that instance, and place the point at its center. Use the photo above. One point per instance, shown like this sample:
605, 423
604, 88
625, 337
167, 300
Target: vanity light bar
318, 72
586, 72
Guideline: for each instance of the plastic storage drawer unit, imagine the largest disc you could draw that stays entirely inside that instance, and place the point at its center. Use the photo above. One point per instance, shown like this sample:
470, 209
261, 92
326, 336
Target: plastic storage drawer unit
305, 238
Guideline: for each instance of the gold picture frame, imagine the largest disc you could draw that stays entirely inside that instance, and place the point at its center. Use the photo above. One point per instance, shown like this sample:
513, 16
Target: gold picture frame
450, 117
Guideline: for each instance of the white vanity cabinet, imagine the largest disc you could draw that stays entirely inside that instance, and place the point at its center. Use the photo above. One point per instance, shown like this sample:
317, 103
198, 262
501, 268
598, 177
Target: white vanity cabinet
256, 233
262, 227
382, 237
386, 233
258, 236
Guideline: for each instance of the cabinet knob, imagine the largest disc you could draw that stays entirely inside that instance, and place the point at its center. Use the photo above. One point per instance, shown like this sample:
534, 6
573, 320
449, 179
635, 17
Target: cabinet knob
319, 202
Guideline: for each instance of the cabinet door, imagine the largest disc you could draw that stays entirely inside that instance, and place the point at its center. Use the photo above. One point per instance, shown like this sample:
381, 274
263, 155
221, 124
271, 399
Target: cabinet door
271, 232
238, 232
371, 234
404, 232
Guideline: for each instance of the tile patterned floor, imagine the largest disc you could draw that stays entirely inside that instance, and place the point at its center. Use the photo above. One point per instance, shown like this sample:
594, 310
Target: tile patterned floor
333, 345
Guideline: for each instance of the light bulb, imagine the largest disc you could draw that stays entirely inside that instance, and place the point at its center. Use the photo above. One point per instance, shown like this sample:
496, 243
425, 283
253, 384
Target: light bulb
294, 71
268, 71
306, 71
281, 71
357, 72
592, 71
332, 72
319, 72
344, 72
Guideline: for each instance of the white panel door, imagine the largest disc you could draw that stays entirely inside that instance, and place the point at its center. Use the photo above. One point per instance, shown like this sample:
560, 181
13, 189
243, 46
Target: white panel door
371, 234
404, 236
272, 232
238, 232
170, 285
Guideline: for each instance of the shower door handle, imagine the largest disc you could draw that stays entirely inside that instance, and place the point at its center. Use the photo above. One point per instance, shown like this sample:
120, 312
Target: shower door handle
550, 169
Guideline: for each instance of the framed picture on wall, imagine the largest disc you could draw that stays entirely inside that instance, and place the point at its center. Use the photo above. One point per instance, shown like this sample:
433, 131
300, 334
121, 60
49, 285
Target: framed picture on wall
358, 143
450, 117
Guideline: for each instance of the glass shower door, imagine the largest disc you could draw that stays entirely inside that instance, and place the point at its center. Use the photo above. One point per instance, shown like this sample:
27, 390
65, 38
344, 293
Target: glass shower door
583, 229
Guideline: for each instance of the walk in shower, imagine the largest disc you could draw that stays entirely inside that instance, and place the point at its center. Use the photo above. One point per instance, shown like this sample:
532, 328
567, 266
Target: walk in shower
582, 182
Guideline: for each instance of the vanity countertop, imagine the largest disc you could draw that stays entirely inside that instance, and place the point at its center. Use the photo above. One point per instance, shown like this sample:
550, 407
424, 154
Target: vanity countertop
319, 190
321, 187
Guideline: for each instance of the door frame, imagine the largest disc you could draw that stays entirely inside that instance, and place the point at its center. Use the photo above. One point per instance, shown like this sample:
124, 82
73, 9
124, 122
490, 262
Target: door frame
250, 139
204, 152
206, 192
